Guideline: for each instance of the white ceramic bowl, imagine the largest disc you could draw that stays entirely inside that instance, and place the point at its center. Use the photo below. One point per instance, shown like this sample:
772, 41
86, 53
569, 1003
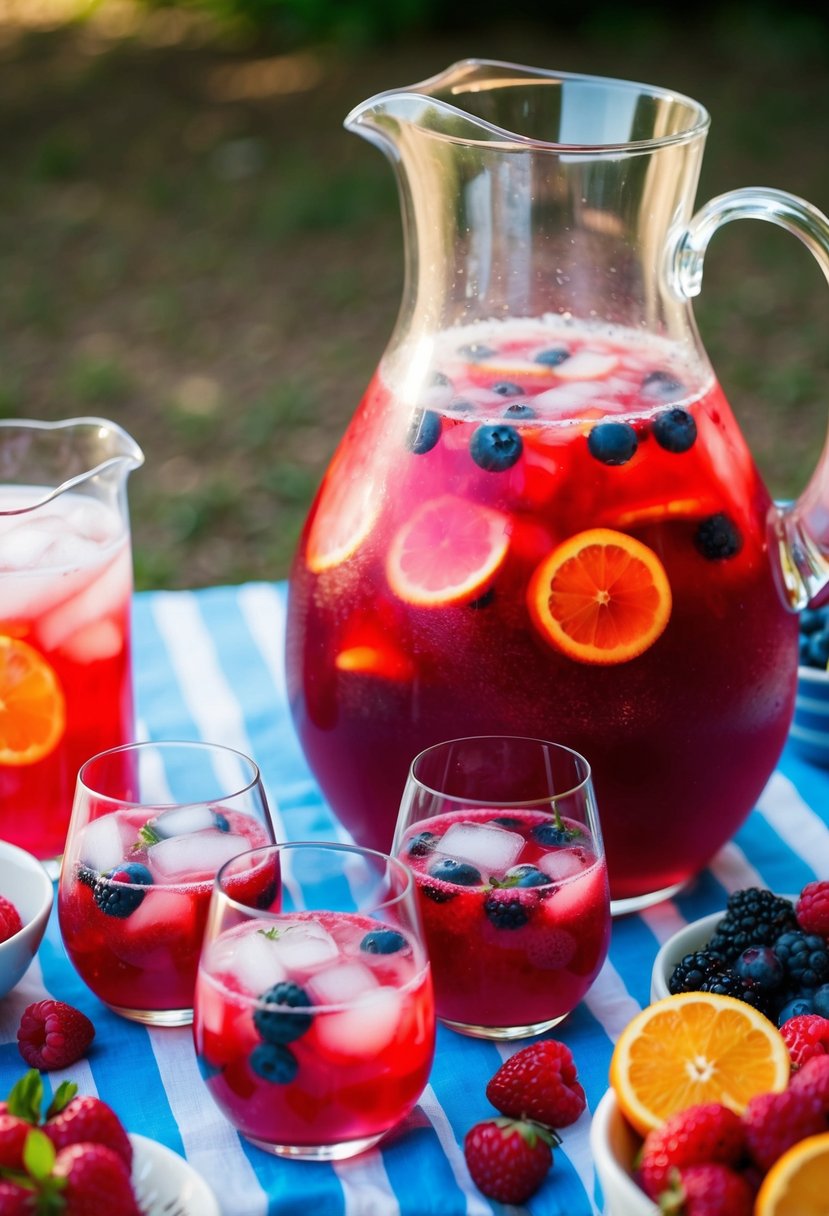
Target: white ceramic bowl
25, 882
809, 731
685, 941
167, 1185
613, 1145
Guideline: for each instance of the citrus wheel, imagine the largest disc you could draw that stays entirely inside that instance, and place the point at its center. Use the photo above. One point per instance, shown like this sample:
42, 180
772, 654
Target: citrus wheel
32, 707
695, 1047
345, 513
448, 552
796, 1184
600, 597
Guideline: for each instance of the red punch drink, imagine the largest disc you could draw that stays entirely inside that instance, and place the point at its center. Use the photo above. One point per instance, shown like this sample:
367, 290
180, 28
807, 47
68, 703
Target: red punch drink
555, 530
315, 1030
515, 912
65, 679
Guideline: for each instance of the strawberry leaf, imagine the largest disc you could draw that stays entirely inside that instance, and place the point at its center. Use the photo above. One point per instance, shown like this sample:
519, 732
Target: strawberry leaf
26, 1097
147, 835
62, 1096
38, 1154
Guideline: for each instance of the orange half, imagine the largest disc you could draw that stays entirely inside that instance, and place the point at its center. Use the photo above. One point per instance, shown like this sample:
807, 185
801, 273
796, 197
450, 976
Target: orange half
600, 597
797, 1183
32, 706
448, 552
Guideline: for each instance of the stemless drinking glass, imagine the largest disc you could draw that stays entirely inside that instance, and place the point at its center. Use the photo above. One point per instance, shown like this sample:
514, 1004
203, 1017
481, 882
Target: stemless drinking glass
151, 824
314, 1021
503, 837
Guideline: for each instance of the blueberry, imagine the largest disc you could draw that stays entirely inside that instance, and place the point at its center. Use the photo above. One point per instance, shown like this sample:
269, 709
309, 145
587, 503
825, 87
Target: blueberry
612, 442
275, 1022
552, 834
421, 844
506, 388
675, 430
812, 620
528, 876
507, 821
761, 964
459, 873
803, 646
424, 432
817, 649
820, 1000
221, 821
383, 941
553, 356
114, 895
718, 537
483, 601
505, 913
273, 1062
519, 409
476, 351
495, 448
662, 385
795, 1008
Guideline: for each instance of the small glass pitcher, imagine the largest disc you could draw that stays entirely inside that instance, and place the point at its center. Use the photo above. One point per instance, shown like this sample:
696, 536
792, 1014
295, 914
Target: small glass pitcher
65, 594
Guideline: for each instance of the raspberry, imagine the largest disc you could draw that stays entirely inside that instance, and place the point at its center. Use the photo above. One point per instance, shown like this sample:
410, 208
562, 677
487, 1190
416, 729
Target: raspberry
53, 1034
708, 1190
508, 1160
704, 1134
774, 1122
813, 1078
10, 922
539, 1082
97, 1181
812, 909
806, 1036
89, 1119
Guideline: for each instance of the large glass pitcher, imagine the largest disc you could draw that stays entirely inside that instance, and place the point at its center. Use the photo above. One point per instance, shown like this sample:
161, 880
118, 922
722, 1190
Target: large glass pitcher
543, 519
65, 594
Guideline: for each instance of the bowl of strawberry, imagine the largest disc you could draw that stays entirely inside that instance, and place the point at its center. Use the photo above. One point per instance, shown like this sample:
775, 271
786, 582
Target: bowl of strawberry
26, 896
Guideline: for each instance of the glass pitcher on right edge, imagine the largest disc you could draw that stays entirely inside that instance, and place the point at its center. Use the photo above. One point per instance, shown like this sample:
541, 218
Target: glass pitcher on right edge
543, 519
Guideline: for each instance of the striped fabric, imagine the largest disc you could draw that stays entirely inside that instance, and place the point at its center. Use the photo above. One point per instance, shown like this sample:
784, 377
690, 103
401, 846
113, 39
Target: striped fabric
209, 666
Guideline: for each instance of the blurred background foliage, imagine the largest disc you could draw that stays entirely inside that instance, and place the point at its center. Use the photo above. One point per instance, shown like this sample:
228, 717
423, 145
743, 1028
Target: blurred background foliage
192, 245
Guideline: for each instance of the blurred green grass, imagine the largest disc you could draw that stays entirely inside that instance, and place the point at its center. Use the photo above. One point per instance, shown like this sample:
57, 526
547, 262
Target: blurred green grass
191, 245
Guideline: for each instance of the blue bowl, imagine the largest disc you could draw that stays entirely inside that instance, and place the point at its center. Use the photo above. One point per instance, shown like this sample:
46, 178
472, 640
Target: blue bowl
809, 732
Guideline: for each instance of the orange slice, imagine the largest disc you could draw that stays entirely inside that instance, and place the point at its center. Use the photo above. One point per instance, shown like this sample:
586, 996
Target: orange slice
32, 707
368, 660
345, 514
663, 512
448, 552
796, 1184
600, 597
695, 1047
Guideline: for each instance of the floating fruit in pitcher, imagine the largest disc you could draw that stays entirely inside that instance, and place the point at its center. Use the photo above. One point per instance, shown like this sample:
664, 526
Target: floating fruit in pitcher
32, 707
601, 597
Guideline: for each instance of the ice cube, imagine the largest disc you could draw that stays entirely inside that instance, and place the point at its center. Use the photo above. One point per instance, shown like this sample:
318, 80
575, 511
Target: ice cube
342, 983
94, 642
491, 849
561, 863
102, 844
587, 365
70, 552
104, 596
305, 945
252, 957
194, 857
366, 1027
23, 547
183, 820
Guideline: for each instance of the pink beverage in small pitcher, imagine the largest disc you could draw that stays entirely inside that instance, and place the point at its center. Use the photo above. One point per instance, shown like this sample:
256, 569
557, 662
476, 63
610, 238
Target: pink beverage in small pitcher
314, 1028
515, 912
134, 894
65, 680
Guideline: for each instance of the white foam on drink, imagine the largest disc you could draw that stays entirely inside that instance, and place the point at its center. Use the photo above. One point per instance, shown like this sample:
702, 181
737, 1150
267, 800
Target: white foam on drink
305, 945
561, 863
183, 820
253, 958
103, 843
194, 857
491, 849
342, 983
364, 1029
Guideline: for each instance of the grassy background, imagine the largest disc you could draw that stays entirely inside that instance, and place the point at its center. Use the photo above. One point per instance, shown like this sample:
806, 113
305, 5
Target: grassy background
192, 245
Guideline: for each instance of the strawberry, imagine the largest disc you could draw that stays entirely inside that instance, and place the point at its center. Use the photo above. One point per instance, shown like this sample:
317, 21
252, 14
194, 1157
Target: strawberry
774, 1122
10, 922
89, 1119
539, 1082
53, 1034
508, 1159
16, 1200
97, 1182
806, 1035
812, 908
705, 1134
707, 1190
13, 1133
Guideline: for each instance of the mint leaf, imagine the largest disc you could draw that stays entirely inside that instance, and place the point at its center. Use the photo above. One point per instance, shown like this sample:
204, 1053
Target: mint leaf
148, 835
271, 934
26, 1097
38, 1154
62, 1096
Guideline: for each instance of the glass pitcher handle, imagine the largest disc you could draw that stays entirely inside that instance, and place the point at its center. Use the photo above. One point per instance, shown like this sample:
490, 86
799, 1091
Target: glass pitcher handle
799, 531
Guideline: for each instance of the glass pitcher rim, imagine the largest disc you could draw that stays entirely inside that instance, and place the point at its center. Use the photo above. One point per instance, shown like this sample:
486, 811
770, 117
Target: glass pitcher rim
507, 140
132, 456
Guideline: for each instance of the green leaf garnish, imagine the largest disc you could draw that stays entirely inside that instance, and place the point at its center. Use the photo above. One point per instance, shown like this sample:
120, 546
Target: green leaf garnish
62, 1096
271, 934
26, 1097
38, 1154
148, 835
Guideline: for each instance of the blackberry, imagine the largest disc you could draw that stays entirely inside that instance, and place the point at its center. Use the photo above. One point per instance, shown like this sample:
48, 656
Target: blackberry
805, 958
728, 983
693, 970
274, 1062
280, 1016
422, 844
121, 890
718, 537
506, 913
753, 916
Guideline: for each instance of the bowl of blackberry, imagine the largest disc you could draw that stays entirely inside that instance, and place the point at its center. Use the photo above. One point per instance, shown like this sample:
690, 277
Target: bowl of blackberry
809, 732
769, 950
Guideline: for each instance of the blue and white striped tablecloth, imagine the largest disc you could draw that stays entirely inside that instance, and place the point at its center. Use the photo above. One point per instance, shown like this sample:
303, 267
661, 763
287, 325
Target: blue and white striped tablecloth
209, 666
